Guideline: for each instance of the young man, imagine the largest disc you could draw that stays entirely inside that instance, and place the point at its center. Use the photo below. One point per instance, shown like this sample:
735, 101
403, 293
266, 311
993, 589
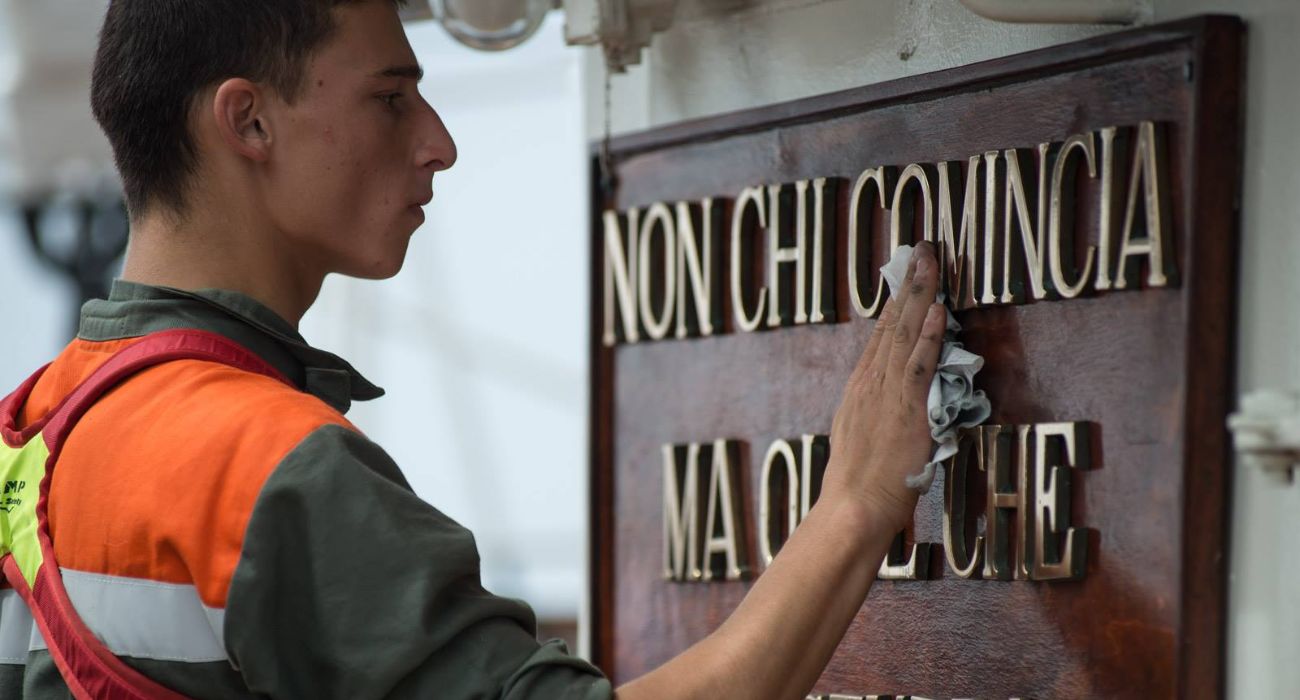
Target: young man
224, 530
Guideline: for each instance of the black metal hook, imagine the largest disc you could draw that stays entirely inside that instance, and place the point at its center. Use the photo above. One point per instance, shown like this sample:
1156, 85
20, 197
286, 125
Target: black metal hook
100, 238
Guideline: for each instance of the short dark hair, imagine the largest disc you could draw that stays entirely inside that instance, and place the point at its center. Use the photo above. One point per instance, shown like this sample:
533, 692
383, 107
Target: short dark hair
156, 56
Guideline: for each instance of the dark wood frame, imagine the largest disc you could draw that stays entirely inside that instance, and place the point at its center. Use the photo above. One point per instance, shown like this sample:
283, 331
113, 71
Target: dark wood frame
1217, 42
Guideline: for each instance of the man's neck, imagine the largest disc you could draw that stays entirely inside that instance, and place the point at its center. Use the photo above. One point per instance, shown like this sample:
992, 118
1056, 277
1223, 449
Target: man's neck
226, 252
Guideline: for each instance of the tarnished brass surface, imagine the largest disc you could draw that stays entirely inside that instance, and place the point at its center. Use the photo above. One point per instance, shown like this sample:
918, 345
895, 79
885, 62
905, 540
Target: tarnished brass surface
681, 512
957, 246
822, 218
620, 276
696, 267
657, 218
964, 560
773, 520
860, 264
1145, 179
1003, 502
743, 275
1060, 551
691, 550
724, 512
1060, 226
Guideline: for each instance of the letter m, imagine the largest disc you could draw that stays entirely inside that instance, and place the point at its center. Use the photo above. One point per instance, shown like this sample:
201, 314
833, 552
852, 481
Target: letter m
957, 248
681, 514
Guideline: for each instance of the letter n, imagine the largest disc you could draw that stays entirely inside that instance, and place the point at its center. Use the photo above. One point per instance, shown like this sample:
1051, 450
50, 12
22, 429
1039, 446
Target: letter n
620, 277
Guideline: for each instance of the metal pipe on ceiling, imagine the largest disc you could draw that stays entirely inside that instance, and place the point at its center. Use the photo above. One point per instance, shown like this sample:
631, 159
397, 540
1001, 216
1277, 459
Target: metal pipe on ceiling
1061, 11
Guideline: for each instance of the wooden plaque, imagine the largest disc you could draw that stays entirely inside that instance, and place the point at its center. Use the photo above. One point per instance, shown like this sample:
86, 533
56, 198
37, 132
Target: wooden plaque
1146, 370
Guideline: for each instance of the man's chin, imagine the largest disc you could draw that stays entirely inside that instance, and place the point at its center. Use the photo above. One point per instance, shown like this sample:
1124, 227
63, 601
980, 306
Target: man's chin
380, 268
382, 271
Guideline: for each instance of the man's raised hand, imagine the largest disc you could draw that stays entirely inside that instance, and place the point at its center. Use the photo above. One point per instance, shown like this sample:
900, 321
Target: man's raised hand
880, 433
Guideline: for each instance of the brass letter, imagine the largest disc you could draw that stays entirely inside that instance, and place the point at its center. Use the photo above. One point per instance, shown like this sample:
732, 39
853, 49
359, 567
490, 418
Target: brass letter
1004, 499
816, 450
860, 263
1146, 170
743, 271
901, 215
822, 288
1052, 482
723, 505
1032, 237
778, 255
681, 514
958, 251
658, 213
620, 276
1024, 500
803, 479
904, 564
1105, 208
769, 518
990, 225
963, 562
699, 273
1062, 245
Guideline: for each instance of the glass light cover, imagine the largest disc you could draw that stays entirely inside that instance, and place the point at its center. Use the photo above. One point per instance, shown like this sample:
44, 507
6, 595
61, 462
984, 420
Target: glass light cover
492, 25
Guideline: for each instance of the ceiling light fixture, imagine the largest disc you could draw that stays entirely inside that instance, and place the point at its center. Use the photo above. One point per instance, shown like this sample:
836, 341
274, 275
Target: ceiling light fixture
491, 25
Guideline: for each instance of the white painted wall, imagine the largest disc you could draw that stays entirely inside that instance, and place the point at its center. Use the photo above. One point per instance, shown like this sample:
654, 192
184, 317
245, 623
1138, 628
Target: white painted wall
42, 305
724, 55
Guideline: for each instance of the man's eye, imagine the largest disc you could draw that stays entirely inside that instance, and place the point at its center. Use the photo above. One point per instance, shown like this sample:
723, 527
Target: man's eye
391, 98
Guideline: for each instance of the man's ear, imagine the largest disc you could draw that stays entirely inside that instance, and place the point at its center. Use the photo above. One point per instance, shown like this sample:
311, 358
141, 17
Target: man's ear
239, 107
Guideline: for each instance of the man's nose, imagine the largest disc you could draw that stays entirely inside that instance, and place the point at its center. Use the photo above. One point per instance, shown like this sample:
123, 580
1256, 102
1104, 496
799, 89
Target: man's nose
437, 150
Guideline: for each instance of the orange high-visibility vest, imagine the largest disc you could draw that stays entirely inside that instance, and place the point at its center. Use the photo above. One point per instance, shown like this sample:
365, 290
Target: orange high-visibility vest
27, 460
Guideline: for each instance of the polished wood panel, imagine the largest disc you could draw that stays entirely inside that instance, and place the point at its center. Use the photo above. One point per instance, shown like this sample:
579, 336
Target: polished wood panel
1151, 370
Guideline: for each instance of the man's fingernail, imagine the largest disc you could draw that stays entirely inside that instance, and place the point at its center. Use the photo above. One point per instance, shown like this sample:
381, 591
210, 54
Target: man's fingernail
923, 264
932, 316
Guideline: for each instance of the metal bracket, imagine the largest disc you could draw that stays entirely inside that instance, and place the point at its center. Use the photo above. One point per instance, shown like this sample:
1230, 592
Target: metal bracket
1266, 432
622, 27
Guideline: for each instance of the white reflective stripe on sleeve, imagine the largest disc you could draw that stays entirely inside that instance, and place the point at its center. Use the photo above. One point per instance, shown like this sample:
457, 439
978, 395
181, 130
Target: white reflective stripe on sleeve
145, 619
16, 626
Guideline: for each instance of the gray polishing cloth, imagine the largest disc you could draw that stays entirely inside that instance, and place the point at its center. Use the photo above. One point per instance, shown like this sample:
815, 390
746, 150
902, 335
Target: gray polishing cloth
954, 403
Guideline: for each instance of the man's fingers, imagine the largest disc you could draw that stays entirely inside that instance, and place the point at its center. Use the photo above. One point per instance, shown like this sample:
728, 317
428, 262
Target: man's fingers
883, 328
925, 356
919, 292
876, 357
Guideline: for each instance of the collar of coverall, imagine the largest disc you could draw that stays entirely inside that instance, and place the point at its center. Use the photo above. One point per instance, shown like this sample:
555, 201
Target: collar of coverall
133, 309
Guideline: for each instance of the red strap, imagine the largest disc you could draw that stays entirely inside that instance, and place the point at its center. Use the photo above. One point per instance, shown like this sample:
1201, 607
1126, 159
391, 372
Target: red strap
154, 349
9, 408
89, 668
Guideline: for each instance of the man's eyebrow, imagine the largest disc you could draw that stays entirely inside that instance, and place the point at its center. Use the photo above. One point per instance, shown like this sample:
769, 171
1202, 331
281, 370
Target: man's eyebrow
412, 71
